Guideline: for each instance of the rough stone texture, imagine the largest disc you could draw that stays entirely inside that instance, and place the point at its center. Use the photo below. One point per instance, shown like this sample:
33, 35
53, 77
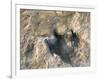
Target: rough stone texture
36, 26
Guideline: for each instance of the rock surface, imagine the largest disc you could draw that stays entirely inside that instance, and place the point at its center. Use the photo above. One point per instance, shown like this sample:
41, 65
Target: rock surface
37, 25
